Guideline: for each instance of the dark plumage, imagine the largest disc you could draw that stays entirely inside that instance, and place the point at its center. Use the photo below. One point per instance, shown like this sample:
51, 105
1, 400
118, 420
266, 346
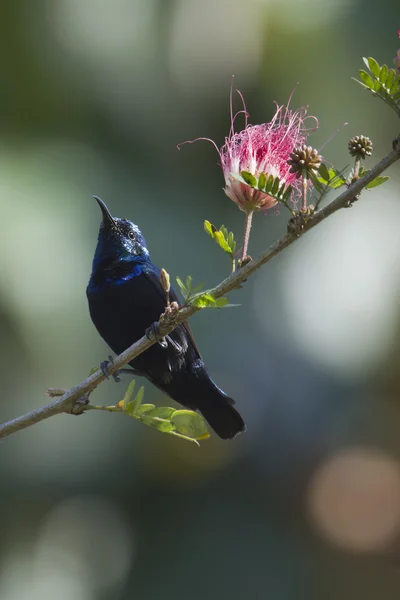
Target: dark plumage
125, 298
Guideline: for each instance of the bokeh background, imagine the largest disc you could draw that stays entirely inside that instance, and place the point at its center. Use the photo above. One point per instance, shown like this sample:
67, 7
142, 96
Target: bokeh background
94, 97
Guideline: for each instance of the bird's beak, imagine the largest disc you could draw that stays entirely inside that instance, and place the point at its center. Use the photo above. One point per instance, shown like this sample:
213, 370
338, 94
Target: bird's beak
108, 219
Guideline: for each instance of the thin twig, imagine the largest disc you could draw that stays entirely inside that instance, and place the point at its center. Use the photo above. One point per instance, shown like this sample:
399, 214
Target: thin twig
66, 403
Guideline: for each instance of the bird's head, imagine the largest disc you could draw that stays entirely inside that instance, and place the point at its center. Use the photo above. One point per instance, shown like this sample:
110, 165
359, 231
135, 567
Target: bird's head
118, 238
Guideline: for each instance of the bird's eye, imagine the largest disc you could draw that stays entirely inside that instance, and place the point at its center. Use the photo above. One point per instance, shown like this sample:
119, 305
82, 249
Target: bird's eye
131, 235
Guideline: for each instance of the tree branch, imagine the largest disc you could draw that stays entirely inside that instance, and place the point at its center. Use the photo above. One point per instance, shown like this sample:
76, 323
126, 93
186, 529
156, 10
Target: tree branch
74, 400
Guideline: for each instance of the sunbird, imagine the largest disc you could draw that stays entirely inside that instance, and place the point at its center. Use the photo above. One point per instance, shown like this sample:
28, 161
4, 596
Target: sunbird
126, 297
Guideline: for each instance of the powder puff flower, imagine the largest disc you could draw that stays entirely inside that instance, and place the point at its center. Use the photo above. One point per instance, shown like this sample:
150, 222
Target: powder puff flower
260, 153
261, 149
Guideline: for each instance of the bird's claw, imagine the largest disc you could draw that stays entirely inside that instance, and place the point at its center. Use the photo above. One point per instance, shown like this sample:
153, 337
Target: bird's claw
104, 367
175, 346
153, 333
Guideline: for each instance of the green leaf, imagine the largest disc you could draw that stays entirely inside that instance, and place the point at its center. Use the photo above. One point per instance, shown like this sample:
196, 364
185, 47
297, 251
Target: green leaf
275, 187
377, 181
224, 231
143, 409
269, 184
335, 179
374, 66
231, 240
363, 171
377, 86
222, 242
189, 283
287, 193
93, 370
134, 405
221, 302
189, 423
383, 75
319, 183
324, 173
367, 79
161, 412
163, 425
394, 86
249, 178
262, 180
209, 228
390, 79
182, 286
128, 394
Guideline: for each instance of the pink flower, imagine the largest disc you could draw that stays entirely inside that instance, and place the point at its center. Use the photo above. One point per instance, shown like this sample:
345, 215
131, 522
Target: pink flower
260, 149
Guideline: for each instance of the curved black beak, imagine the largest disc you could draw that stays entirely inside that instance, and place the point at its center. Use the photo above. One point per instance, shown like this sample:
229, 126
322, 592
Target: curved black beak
108, 219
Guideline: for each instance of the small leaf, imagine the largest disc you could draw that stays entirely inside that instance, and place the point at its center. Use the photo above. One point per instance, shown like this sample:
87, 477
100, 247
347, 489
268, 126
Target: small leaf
143, 409
363, 171
208, 298
161, 412
269, 184
221, 241
287, 193
182, 286
335, 179
189, 283
262, 180
375, 182
365, 61
383, 75
134, 405
367, 79
221, 302
275, 186
93, 370
128, 394
162, 425
249, 178
377, 86
204, 300
281, 191
224, 231
324, 173
209, 228
231, 240
394, 84
189, 423
390, 79
374, 66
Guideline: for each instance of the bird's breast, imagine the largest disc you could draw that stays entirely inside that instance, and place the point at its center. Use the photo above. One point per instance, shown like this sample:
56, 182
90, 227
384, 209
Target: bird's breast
123, 309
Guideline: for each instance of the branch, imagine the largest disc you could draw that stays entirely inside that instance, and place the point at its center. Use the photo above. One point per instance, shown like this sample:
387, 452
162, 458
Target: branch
74, 400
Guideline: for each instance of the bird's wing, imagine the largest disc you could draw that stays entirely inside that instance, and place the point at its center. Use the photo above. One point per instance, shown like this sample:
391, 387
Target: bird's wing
153, 275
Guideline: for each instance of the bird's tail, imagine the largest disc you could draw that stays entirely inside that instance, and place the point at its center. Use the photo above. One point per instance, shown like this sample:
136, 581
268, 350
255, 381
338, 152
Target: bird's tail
216, 407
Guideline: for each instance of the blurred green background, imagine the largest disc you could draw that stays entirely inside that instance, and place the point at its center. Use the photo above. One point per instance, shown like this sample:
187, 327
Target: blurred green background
94, 97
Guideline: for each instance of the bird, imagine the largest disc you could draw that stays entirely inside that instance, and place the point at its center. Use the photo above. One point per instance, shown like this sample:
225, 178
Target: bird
126, 297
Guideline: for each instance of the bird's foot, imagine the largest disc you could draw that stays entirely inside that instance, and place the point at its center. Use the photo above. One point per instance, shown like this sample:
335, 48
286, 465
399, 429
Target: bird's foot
177, 348
104, 367
153, 333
